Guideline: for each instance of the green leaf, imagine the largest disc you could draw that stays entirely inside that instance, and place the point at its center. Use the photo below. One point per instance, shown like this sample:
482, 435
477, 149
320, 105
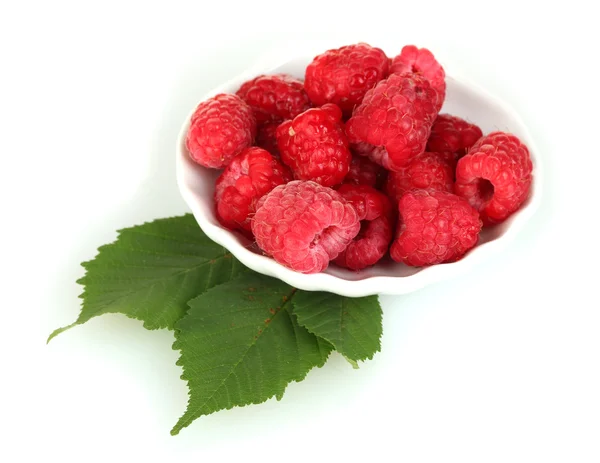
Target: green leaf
151, 271
240, 344
353, 363
351, 325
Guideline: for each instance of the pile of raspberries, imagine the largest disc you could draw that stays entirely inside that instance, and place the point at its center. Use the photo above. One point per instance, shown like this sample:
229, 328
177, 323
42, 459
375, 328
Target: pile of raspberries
356, 163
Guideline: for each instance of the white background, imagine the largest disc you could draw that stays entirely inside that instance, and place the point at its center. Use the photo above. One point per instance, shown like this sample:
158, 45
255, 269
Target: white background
499, 365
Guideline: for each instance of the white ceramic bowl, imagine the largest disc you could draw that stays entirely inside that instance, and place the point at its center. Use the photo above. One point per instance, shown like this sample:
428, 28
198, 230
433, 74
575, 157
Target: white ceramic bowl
462, 99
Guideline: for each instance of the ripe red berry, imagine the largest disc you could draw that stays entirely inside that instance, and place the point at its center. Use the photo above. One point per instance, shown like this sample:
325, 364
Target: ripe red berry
434, 227
451, 134
426, 171
314, 145
376, 154
250, 175
395, 117
343, 76
364, 172
220, 128
266, 136
275, 97
376, 213
495, 176
304, 225
422, 61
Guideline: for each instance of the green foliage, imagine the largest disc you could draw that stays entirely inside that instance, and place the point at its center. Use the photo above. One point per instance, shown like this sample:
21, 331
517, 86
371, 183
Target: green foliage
240, 344
242, 336
352, 325
151, 271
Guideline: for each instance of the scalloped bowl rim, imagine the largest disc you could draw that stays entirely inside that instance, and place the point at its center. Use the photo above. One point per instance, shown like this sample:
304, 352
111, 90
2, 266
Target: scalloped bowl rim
202, 211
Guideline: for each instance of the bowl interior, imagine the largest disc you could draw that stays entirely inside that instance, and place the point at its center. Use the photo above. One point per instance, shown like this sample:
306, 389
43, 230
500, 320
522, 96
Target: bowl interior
462, 99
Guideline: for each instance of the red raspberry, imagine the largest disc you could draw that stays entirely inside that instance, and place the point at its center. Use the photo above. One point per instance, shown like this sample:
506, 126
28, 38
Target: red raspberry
376, 154
434, 227
426, 171
376, 213
364, 172
266, 136
304, 225
314, 146
275, 97
495, 176
220, 128
451, 134
396, 117
422, 61
449, 158
343, 76
248, 177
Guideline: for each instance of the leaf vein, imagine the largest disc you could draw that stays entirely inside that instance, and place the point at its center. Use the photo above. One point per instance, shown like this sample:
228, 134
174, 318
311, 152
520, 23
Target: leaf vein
234, 367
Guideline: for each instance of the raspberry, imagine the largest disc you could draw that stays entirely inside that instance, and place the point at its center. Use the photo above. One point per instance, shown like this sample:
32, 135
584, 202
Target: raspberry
376, 154
343, 76
275, 97
364, 172
434, 227
426, 171
422, 61
304, 225
375, 211
314, 146
249, 176
451, 134
395, 117
220, 128
495, 176
266, 136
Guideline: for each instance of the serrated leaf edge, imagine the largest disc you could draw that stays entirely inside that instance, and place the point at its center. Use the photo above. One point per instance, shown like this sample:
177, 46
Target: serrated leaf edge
81, 280
353, 362
144, 323
182, 424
